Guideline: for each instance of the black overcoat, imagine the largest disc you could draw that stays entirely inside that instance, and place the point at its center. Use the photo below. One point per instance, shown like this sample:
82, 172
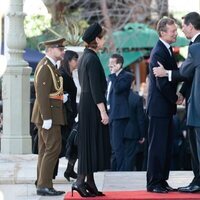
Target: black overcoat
93, 139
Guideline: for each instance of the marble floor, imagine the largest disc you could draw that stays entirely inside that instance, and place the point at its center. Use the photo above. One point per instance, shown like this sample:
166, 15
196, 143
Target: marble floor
18, 173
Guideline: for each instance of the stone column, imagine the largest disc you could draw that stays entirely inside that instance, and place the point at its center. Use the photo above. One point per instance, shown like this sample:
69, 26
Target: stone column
16, 86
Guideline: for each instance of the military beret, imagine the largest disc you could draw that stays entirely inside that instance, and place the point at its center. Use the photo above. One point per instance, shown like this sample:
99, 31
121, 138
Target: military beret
91, 32
55, 43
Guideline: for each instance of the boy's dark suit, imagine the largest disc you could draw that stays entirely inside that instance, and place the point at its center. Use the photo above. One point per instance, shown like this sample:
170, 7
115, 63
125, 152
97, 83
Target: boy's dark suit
161, 106
135, 129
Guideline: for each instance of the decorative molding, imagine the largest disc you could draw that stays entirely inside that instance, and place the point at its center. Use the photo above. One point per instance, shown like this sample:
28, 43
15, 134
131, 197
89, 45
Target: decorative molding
16, 14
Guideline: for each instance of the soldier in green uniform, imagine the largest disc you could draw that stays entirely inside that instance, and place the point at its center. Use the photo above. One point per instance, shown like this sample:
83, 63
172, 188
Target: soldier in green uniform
48, 115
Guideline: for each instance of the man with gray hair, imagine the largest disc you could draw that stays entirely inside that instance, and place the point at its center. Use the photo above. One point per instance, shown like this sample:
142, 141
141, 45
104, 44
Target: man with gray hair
191, 29
161, 106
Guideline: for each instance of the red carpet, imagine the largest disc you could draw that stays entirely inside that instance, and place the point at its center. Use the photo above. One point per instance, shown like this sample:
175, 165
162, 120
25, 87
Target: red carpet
137, 195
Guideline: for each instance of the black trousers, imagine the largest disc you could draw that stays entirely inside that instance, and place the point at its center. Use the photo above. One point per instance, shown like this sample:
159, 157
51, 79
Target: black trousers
117, 128
159, 151
131, 148
194, 155
196, 179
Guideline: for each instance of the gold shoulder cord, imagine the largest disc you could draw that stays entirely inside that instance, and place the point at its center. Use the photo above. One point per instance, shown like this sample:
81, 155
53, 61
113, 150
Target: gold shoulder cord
58, 88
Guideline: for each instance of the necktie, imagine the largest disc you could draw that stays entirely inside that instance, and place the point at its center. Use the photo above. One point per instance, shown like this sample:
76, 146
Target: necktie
190, 43
171, 51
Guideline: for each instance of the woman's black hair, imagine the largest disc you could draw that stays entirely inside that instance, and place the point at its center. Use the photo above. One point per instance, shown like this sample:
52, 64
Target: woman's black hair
69, 55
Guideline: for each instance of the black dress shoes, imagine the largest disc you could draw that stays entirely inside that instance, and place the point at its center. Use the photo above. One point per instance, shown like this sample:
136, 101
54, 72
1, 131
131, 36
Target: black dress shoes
157, 189
49, 192
60, 192
168, 188
190, 189
35, 183
183, 189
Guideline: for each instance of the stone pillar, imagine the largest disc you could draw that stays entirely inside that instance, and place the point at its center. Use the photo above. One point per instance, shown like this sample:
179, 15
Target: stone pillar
16, 86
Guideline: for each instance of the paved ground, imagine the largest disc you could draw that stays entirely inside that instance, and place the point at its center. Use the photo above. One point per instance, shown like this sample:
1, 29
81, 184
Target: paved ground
18, 173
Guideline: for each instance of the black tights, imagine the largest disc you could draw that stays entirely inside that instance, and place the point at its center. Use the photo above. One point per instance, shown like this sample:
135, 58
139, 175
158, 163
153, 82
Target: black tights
89, 179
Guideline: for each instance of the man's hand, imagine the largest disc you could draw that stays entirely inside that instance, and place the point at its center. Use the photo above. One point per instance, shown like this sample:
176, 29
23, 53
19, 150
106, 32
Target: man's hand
104, 117
180, 99
115, 68
47, 124
142, 140
160, 71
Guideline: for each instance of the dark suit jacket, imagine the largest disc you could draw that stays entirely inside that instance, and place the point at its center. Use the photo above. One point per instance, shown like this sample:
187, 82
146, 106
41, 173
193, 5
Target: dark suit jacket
186, 87
191, 69
161, 101
118, 97
136, 126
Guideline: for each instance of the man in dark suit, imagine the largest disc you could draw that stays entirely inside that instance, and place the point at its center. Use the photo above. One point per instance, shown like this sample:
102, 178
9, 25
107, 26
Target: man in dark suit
118, 92
191, 69
191, 29
48, 115
161, 106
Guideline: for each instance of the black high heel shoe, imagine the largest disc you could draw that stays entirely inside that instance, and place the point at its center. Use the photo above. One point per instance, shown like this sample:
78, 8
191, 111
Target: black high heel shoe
93, 191
81, 190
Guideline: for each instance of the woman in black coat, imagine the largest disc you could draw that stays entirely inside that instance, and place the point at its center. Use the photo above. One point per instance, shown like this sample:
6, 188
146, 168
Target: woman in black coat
69, 64
93, 139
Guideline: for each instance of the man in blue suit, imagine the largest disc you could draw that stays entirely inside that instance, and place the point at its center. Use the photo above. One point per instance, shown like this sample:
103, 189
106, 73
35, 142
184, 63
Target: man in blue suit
191, 29
190, 68
118, 93
161, 106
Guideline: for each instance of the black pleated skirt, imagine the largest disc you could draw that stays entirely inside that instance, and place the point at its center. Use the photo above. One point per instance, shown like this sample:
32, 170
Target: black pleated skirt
94, 149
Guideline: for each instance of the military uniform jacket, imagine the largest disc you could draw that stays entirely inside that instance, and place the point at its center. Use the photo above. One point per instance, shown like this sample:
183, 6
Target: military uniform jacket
45, 107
